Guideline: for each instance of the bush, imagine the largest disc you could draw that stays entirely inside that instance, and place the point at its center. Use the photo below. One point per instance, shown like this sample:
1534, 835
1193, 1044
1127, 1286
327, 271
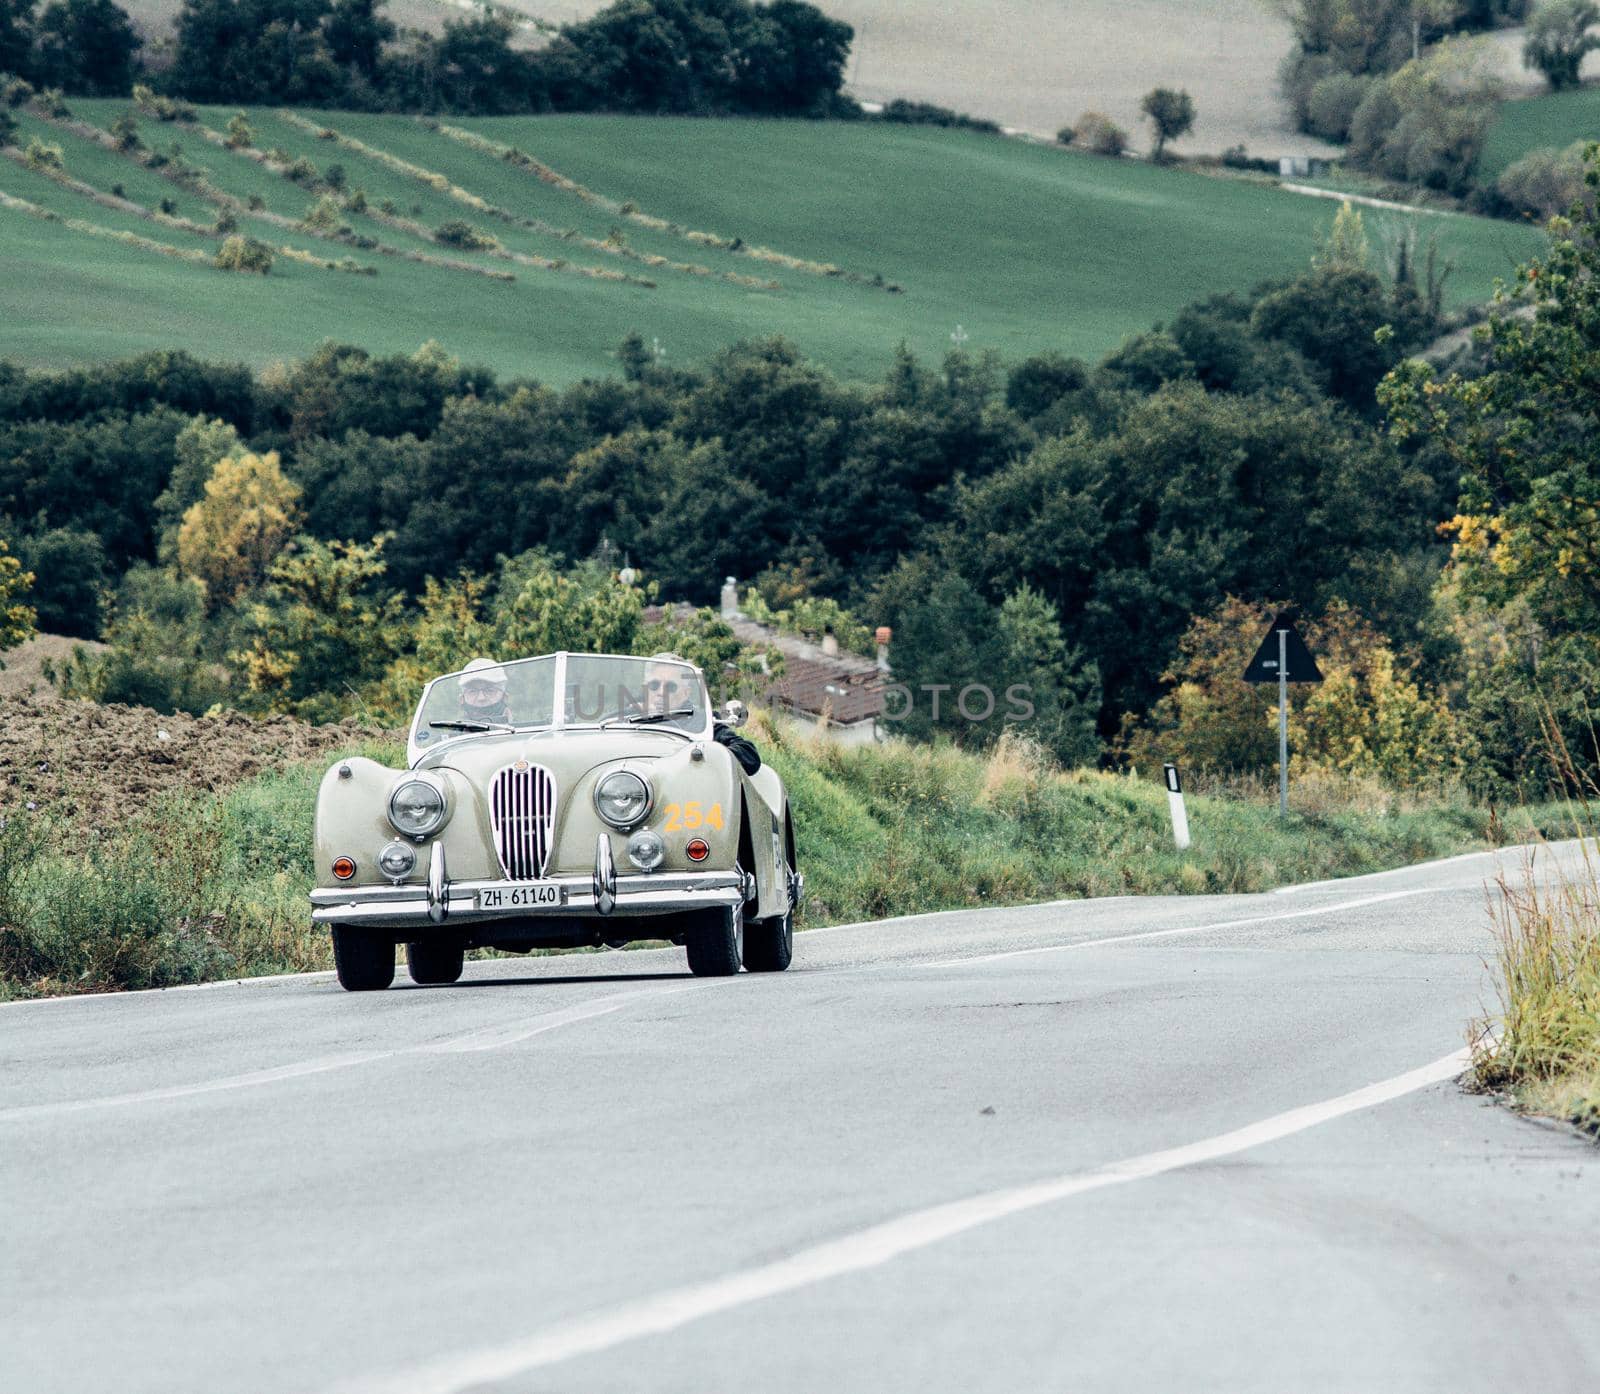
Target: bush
1333, 103
126, 130
1546, 182
1099, 133
1426, 123
1066, 135
928, 114
43, 156
240, 253
460, 233
301, 171
161, 107
241, 134
325, 214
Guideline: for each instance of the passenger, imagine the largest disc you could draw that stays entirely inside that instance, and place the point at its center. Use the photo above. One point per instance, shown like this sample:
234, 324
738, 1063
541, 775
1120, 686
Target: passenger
671, 683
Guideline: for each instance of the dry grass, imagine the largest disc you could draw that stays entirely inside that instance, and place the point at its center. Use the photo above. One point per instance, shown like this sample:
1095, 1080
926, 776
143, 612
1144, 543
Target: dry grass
23, 673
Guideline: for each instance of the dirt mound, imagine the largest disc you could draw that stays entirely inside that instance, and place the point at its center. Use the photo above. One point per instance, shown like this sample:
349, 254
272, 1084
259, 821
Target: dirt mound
100, 765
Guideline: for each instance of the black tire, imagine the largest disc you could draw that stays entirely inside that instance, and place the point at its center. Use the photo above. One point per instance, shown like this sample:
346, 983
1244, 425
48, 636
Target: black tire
715, 944
363, 961
434, 962
769, 944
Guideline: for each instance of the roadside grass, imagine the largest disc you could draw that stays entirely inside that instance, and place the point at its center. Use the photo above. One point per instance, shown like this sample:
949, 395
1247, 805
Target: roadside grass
1553, 119
900, 828
1542, 1049
1025, 246
193, 889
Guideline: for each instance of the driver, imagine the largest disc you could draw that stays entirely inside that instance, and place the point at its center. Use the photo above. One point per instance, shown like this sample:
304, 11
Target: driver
666, 677
483, 692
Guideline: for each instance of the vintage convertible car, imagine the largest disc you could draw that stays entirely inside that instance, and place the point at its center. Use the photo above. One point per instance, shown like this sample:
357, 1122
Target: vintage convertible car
567, 800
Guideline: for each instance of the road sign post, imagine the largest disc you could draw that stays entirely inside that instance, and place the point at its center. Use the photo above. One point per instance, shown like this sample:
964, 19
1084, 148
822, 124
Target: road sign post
1283, 723
1283, 658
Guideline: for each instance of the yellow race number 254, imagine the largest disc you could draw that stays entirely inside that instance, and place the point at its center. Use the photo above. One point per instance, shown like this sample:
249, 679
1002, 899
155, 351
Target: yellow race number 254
689, 816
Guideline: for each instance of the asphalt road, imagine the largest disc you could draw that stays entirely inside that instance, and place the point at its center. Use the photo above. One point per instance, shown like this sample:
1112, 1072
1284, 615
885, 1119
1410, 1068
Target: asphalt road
1130, 1144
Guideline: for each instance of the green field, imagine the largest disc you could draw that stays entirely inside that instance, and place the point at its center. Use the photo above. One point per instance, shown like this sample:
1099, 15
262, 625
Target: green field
1025, 247
1556, 119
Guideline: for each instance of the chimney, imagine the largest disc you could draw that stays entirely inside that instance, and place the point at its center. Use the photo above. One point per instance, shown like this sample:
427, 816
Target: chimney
830, 643
883, 636
730, 599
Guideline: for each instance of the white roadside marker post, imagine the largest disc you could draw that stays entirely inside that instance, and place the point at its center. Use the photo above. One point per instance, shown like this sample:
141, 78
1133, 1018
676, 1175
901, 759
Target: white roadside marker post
1180, 818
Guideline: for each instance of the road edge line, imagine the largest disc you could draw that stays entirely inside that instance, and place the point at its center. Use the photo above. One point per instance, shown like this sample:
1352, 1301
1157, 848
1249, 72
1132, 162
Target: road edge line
871, 1247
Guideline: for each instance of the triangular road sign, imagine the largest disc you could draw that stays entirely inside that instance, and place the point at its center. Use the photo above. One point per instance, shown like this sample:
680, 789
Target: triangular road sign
1301, 666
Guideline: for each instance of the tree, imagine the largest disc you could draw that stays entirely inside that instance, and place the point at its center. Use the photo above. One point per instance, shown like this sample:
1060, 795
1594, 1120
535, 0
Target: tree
1171, 115
356, 34
16, 38
88, 47
16, 617
1369, 716
1431, 16
323, 629
1559, 38
197, 450
1526, 436
229, 539
1063, 687
70, 571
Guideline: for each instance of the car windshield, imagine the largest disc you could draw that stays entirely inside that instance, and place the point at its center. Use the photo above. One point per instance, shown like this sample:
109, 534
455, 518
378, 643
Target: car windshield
488, 696
597, 689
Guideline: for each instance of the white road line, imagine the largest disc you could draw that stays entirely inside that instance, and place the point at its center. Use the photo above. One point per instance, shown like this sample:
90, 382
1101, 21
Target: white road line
492, 1038
1168, 933
854, 1253
210, 1086
1392, 871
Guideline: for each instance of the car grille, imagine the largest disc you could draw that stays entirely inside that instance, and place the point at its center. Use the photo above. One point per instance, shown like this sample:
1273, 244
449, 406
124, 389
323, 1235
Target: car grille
522, 812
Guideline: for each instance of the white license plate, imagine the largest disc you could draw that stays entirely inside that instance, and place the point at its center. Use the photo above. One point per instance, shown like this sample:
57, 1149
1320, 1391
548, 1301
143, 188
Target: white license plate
520, 895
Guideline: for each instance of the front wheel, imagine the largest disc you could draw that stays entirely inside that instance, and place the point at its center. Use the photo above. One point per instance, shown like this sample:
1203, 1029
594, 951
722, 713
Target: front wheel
364, 962
769, 944
716, 944
433, 963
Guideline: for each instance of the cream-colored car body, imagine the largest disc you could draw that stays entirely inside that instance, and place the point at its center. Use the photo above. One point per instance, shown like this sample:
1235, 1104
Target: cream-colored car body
699, 791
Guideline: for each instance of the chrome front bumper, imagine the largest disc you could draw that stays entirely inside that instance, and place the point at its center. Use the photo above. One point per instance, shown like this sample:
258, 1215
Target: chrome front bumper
442, 901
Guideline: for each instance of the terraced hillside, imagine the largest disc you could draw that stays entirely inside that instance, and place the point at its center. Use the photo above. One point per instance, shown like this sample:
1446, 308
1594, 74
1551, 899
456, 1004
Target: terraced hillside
534, 244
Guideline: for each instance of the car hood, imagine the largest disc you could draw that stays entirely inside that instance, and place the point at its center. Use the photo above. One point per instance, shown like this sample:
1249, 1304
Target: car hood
568, 755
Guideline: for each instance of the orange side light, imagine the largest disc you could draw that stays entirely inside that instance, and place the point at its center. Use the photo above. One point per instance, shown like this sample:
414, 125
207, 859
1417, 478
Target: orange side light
344, 868
698, 849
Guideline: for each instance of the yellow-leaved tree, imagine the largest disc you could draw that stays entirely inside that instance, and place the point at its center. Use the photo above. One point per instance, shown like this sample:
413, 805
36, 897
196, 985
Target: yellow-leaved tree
231, 536
16, 617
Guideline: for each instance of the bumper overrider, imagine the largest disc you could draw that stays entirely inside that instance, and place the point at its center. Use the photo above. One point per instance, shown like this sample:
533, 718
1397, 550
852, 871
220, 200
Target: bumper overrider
599, 894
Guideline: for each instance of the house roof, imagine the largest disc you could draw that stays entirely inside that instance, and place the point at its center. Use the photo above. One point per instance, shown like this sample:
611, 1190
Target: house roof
845, 687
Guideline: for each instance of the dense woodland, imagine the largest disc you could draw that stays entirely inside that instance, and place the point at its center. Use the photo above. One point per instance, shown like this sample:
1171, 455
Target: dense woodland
313, 538
703, 57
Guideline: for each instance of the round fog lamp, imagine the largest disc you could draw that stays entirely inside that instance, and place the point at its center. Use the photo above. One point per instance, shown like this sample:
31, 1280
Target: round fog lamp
645, 850
397, 859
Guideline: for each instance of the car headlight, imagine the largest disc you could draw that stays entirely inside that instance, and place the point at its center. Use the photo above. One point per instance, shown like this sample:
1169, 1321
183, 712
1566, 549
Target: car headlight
417, 808
622, 798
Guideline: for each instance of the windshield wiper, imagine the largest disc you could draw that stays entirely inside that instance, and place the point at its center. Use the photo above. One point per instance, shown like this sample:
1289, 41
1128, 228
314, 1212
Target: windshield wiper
648, 718
470, 726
